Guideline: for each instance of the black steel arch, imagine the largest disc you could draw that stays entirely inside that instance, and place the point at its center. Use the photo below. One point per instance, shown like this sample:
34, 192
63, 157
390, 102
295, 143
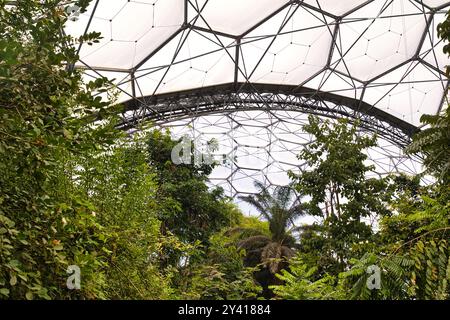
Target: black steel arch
226, 98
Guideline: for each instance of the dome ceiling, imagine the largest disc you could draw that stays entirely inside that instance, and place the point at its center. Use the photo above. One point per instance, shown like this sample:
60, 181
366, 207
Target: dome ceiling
247, 72
385, 53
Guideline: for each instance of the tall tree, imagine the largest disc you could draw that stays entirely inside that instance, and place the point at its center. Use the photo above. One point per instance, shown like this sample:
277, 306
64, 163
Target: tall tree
341, 193
187, 207
279, 209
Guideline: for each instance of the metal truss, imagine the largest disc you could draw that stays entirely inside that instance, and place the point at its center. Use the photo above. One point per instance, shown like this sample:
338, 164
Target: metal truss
256, 83
336, 65
167, 108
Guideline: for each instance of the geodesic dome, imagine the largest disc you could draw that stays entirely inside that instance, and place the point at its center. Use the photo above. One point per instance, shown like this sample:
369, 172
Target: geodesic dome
247, 72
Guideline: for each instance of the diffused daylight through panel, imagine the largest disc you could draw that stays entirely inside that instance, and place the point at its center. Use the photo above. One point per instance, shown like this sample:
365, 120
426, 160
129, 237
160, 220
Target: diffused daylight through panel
247, 73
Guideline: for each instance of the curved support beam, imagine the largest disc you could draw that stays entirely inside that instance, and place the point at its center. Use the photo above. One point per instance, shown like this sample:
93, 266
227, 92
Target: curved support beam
164, 108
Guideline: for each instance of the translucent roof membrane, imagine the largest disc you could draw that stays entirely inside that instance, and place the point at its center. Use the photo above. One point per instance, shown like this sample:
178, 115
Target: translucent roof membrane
245, 66
385, 53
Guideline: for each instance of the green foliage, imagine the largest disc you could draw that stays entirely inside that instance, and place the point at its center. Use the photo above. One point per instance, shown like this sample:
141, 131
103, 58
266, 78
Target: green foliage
43, 116
393, 277
341, 194
419, 272
413, 256
121, 184
443, 31
299, 283
221, 275
187, 208
433, 144
431, 274
270, 251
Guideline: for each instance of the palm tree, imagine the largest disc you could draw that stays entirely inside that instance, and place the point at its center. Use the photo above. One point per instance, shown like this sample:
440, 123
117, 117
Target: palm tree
280, 209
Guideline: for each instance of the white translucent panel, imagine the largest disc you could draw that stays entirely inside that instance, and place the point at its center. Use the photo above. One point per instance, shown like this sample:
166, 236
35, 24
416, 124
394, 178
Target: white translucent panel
258, 137
388, 158
101, 57
131, 30
435, 3
335, 7
108, 9
401, 94
298, 52
196, 61
243, 180
289, 131
148, 81
380, 38
247, 209
220, 172
198, 44
277, 174
433, 45
335, 83
208, 70
249, 157
285, 152
227, 16
165, 56
94, 54
137, 19
212, 125
252, 119
122, 92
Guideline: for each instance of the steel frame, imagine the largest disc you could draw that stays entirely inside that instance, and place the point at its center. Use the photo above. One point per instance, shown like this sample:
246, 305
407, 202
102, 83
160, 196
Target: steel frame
243, 94
167, 107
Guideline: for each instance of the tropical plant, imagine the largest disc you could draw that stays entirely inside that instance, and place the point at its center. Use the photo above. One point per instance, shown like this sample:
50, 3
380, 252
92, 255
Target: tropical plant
341, 193
121, 185
187, 207
45, 109
280, 209
219, 273
420, 271
299, 283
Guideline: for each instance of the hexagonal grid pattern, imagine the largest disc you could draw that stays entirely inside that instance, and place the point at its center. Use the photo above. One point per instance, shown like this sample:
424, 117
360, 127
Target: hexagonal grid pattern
185, 62
259, 145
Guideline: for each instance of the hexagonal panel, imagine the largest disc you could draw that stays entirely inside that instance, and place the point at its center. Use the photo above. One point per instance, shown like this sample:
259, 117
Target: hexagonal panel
378, 37
227, 16
334, 7
297, 49
270, 164
131, 30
